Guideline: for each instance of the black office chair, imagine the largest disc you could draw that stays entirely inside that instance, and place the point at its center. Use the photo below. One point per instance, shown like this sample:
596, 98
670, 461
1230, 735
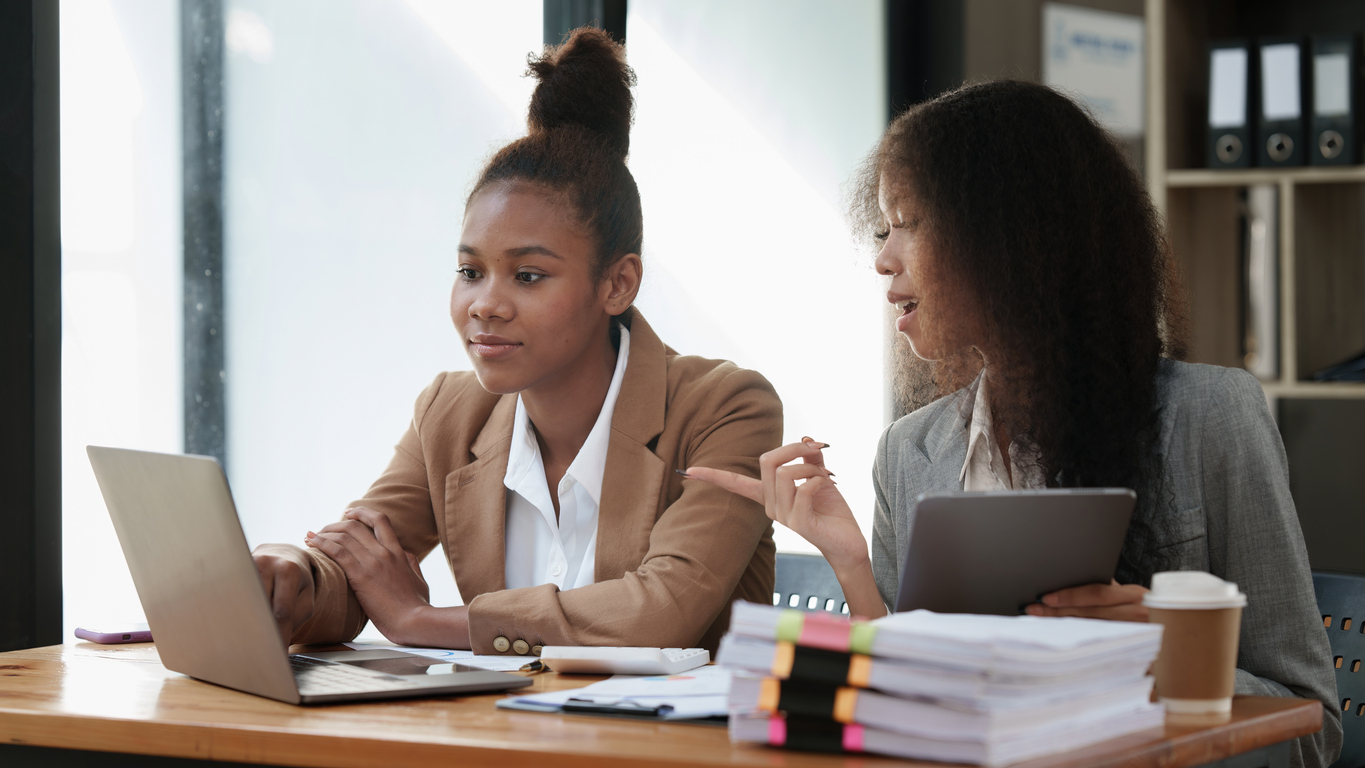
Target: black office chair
808, 582
1341, 601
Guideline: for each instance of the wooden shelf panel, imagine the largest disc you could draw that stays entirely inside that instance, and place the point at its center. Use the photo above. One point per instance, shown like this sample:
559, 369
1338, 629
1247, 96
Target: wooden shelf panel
1241, 177
1204, 230
1316, 390
1329, 279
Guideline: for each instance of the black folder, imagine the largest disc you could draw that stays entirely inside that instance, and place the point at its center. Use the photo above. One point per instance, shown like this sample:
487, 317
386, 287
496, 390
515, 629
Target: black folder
1280, 121
1230, 134
1332, 136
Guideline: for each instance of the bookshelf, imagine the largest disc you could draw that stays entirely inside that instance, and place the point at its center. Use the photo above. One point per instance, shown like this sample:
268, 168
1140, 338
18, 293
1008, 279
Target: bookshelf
1321, 210
1321, 229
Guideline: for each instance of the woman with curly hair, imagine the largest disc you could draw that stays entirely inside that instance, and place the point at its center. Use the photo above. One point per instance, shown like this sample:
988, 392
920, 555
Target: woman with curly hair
1029, 270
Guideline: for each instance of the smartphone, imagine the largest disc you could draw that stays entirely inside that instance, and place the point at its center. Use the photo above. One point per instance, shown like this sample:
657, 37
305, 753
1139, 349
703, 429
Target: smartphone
108, 635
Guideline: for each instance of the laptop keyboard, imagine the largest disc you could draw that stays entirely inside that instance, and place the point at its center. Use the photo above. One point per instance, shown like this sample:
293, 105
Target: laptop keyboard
319, 678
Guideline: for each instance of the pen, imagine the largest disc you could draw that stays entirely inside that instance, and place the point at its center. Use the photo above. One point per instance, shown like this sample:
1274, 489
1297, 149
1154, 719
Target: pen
535, 666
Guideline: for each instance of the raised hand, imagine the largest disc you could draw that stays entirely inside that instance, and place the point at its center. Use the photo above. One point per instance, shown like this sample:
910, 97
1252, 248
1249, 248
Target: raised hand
814, 509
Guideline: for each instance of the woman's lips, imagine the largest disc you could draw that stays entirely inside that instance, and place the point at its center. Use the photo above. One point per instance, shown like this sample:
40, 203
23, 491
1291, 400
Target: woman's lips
906, 317
492, 348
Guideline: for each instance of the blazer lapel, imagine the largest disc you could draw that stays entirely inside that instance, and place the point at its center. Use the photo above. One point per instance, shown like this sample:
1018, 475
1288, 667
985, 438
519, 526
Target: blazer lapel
945, 445
476, 508
634, 475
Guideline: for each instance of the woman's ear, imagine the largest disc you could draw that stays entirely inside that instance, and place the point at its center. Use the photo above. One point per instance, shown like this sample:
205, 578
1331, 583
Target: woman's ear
622, 283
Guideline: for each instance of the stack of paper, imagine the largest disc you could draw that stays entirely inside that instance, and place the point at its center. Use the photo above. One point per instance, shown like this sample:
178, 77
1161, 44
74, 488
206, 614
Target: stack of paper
990, 690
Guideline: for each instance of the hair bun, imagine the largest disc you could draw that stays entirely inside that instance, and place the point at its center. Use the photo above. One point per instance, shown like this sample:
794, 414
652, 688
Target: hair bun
584, 82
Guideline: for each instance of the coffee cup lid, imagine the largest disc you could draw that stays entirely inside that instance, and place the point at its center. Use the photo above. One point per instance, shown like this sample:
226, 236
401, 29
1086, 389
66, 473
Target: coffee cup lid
1192, 590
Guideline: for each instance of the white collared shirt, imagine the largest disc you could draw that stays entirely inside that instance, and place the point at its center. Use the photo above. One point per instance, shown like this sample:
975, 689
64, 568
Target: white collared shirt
538, 549
984, 469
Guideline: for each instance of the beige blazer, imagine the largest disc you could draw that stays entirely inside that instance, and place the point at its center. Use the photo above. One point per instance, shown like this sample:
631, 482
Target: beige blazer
672, 553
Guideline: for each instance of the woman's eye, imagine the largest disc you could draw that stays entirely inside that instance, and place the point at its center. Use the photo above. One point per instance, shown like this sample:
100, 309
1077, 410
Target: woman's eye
529, 278
468, 273
882, 235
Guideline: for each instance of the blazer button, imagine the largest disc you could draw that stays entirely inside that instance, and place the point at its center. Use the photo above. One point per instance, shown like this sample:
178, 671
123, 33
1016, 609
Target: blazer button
535, 650
521, 647
501, 644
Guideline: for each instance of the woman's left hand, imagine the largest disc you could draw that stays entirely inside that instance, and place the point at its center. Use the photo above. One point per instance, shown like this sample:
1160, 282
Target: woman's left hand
1113, 601
387, 579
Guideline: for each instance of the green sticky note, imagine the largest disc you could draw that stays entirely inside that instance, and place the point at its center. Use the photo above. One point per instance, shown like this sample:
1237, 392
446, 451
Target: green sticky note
860, 637
789, 625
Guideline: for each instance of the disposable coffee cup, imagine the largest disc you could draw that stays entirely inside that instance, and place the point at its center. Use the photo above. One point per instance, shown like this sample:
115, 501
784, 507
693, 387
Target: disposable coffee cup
1202, 616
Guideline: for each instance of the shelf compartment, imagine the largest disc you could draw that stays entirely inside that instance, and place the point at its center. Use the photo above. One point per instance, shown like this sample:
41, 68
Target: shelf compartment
1322, 439
1329, 274
1205, 232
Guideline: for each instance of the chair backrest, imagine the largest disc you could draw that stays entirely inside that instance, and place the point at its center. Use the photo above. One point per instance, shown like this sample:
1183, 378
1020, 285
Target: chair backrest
807, 582
1341, 601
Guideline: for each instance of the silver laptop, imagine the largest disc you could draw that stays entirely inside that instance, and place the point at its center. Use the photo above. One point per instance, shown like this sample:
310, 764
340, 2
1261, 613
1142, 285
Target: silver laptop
998, 551
205, 603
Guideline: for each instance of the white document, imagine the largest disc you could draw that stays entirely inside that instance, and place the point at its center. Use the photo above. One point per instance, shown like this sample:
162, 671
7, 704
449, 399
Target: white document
464, 658
1096, 57
1263, 281
1280, 82
702, 681
701, 692
1228, 88
1332, 84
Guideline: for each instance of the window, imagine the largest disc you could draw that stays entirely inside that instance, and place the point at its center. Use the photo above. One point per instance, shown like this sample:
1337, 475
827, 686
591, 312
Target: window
121, 295
749, 118
352, 133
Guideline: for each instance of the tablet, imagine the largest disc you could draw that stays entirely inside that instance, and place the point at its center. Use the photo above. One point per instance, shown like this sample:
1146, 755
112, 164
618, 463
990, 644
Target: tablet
998, 551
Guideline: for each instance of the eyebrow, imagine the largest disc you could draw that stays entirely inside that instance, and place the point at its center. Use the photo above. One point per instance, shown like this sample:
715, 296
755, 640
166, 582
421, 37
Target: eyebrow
525, 250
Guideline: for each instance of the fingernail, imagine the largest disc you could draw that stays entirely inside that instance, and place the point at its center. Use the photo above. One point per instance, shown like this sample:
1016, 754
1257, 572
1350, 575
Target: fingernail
684, 474
310, 535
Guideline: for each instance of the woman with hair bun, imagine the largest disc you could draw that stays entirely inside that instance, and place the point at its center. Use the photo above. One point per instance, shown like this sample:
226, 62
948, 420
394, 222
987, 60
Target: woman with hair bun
547, 474
1031, 276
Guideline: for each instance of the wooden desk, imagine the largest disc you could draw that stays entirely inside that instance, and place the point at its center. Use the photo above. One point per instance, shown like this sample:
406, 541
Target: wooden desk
120, 699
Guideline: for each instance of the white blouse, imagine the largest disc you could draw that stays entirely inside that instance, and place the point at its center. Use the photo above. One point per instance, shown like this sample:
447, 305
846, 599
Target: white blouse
537, 548
984, 469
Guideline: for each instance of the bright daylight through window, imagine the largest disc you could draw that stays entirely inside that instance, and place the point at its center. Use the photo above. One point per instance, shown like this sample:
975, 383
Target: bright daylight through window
352, 133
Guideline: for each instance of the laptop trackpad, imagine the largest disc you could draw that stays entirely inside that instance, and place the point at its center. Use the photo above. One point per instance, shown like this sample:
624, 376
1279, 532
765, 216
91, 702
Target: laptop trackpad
393, 662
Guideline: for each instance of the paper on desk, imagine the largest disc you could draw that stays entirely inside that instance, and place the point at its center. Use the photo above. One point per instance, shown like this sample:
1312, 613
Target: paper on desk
465, 658
701, 692
678, 707
702, 681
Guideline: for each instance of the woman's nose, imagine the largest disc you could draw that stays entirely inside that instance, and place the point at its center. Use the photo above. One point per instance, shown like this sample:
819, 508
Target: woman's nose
488, 304
887, 264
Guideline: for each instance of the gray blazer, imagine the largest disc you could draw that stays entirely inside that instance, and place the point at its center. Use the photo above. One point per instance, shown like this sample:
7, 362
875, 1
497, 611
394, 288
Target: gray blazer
1225, 464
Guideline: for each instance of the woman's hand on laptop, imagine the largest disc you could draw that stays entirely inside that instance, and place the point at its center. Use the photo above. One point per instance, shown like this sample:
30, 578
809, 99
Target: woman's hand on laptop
1113, 601
814, 509
386, 579
288, 582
